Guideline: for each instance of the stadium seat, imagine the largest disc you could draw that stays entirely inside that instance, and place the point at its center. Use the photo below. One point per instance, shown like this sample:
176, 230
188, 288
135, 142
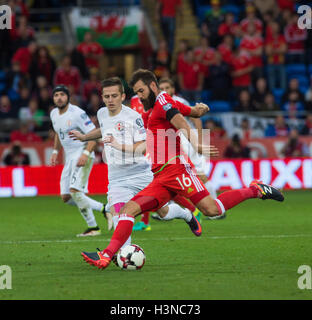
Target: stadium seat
296, 69
278, 93
201, 12
2, 76
2, 87
303, 81
206, 96
232, 8
220, 106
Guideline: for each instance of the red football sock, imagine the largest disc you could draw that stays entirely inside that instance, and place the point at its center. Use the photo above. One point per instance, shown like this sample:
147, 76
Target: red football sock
145, 218
184, 202
120, 235
232, 198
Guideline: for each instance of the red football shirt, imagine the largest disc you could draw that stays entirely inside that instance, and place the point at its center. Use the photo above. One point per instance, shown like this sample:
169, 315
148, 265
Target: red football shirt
226, 52
90, 48
295, 38
276, 43
169, 7
257, 22
238, 63
162, 142
136, 104
190, 73
253, 43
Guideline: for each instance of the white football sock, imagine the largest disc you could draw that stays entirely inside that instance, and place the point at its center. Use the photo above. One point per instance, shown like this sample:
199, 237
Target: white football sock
211, 189
95, 205
115, 222
176, 212
84, 208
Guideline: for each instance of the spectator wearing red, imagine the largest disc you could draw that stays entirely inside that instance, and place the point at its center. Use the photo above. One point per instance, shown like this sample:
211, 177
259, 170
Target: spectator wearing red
205, 55
275, 50
191, 78
24, 134
93, 84
295, 39
286, 4
24, 55
229, 26
183, 46
166, 13
68, 75
18, 8
253, 43
225, 48
241, 68
91, 50
251, 18
42, 64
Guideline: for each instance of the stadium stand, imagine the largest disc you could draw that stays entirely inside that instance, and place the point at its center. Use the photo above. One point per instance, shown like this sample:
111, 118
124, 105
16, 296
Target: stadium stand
28, 72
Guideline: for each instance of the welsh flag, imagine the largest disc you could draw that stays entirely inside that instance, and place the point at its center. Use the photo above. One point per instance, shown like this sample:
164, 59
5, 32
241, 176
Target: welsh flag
110, 29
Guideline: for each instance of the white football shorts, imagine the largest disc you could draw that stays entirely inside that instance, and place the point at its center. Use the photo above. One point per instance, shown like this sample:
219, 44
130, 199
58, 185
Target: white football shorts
125, 190
75, 177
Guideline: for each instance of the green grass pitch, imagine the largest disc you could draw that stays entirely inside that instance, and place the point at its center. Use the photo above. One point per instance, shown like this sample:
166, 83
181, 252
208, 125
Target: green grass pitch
252, 254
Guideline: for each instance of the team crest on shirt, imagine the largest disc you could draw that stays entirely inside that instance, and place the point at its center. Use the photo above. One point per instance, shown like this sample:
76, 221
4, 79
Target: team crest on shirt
120, 126
167, 106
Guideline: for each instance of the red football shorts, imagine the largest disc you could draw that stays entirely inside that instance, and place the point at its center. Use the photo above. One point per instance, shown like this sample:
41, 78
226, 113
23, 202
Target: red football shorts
173, 179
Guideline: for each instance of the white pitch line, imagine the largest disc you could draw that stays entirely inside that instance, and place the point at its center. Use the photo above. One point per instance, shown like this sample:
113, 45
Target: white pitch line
97, 239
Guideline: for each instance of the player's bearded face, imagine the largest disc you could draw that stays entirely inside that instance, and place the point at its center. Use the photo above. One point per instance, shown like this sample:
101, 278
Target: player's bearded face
149, 102
60, 100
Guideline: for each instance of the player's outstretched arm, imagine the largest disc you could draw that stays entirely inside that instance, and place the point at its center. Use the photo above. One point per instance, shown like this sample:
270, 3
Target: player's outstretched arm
92, 135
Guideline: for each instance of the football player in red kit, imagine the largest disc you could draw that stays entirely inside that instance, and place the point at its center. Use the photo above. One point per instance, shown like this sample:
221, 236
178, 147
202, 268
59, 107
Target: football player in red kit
172, 173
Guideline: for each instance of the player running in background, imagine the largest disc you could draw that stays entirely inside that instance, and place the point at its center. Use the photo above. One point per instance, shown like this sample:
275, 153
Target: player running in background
79, 157
174, 175
129, 171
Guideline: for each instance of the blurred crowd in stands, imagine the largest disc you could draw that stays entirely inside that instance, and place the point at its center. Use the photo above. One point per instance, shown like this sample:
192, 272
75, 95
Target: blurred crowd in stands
252, 56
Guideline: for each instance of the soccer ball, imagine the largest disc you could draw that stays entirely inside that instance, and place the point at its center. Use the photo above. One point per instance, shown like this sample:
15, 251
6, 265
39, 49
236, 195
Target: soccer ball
131, 257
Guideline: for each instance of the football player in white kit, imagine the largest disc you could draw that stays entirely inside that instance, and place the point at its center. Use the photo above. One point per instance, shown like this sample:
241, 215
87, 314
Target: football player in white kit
79, 157
129, 171
199, 161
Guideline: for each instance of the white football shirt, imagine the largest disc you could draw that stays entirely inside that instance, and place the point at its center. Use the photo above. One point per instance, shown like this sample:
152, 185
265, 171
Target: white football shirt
73, 119
127, 128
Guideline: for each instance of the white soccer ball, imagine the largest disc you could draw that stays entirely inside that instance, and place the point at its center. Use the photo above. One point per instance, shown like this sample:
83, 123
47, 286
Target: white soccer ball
131, 257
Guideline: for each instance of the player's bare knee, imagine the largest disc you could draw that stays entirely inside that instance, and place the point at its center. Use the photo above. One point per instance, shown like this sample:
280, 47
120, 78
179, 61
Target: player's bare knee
210, 210
131, 208
162, 212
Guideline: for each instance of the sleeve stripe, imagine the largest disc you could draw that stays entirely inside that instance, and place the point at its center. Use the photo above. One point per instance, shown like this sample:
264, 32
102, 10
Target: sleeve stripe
162, 100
